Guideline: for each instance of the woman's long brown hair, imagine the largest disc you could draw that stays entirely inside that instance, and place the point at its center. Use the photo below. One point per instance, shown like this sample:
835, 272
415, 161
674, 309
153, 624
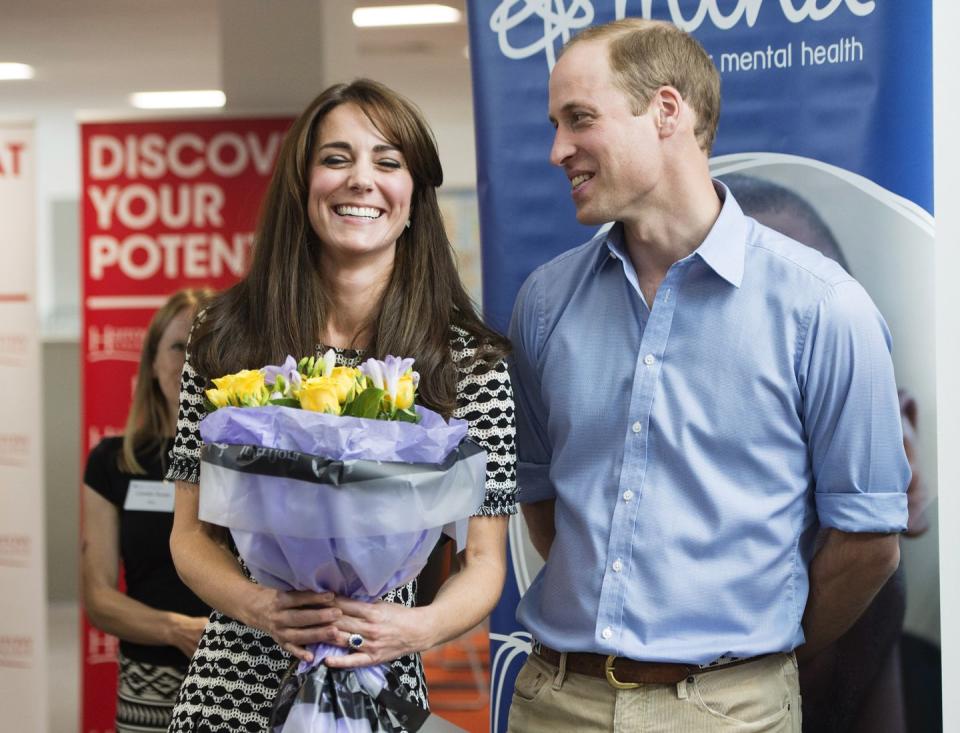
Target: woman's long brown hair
149, 422
280, 307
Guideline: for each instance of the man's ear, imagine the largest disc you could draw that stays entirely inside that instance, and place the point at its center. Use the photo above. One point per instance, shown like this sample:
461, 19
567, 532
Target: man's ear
669, 106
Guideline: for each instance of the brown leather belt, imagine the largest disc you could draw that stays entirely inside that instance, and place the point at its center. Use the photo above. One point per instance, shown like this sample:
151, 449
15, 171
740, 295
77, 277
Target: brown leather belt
624, 674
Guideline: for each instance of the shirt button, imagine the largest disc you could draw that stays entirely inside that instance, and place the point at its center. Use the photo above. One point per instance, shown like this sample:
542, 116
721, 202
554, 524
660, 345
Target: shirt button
617, 565
648, 360
637, 427
627, 495
606, 633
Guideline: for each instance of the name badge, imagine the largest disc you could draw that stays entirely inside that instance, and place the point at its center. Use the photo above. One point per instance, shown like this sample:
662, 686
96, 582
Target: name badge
149, 496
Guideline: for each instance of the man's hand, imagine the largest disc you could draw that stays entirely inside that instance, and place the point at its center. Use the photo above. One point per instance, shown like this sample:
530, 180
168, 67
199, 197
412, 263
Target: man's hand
845, 575
540, 524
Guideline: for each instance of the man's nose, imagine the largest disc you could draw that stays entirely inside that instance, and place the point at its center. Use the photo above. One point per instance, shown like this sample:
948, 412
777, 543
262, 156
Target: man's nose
561, 148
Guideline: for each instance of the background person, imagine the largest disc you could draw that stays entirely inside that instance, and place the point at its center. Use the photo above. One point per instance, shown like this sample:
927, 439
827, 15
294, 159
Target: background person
350, 254
746, 398
127, 517
854, 685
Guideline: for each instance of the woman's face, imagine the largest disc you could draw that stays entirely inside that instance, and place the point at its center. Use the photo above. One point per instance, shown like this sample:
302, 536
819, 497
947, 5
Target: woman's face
360, 188
168, 363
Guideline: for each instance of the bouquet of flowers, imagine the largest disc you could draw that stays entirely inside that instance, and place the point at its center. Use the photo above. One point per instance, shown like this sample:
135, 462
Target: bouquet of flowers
332, 479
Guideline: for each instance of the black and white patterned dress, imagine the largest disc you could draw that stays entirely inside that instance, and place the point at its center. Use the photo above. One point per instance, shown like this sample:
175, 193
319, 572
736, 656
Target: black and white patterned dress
236, 669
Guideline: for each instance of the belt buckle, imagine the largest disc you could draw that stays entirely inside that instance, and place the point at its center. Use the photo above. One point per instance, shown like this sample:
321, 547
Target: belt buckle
611, 678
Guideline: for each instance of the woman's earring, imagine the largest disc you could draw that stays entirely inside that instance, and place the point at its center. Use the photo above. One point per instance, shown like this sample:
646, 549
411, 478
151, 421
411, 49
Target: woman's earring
408, 224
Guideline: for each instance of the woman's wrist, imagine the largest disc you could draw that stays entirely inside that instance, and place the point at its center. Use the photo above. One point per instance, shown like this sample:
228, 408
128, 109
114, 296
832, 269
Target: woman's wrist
426, 632
253, 602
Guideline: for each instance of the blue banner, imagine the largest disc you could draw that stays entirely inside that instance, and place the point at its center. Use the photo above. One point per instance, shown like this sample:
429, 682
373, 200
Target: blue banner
831, 99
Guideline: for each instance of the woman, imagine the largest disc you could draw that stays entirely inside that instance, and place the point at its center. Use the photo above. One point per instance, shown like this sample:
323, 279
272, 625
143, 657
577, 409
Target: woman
350, 254
128, 516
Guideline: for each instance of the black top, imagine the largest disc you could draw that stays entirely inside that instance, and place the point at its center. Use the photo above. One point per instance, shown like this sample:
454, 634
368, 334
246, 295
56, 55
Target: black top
144, 545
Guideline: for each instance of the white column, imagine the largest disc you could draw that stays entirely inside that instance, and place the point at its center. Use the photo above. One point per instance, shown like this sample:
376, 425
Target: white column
23, 633
946, 123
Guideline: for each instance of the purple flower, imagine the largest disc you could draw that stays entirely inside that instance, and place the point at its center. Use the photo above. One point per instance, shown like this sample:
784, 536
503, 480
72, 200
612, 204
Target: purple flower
287, 370
386, 374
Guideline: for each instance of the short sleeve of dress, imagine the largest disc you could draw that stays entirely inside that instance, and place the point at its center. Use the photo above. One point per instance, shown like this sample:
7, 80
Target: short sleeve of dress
185, 455
485, 401
101, 467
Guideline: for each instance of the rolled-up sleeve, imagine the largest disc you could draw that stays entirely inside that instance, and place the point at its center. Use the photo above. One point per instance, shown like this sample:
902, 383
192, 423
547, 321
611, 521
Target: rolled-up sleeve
533, 443
852, 416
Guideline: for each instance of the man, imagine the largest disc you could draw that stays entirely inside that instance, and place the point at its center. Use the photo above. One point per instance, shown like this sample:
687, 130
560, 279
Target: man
696, 395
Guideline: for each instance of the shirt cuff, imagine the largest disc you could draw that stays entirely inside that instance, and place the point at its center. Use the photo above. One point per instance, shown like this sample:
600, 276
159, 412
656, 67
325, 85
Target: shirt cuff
874, 512
533, 483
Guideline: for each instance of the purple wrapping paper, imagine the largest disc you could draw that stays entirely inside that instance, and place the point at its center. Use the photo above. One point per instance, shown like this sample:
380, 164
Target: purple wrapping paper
336, 437
359, 539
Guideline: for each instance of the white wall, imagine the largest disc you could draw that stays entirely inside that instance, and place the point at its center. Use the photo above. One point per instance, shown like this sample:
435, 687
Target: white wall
947, 208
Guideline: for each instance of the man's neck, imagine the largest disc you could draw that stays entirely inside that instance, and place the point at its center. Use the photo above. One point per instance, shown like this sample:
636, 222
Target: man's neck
672, 227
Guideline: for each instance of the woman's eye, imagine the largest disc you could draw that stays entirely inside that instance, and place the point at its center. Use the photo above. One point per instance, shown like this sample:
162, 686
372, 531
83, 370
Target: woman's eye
390, 163
334, 160
179, 346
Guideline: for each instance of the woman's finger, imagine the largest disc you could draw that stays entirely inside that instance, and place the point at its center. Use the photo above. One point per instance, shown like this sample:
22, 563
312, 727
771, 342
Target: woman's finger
297, 651
348, 661
351, 625
299, 598
307, 617
361, 609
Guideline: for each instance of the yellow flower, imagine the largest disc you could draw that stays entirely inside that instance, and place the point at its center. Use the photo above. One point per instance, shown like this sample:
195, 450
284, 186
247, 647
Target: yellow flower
404, 399
246, 383
344, 380
319, 394
218, 397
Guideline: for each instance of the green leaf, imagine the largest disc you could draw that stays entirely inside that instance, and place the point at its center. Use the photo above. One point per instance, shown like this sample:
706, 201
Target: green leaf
285, 402
366, 404
407, 416
208, 405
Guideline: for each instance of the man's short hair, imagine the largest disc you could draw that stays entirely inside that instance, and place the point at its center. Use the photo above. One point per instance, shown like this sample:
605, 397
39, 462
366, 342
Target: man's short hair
645, 55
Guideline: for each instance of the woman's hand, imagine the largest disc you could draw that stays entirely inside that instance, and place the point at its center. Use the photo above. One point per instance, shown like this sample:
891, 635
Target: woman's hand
184, 632
389, 631
295, 619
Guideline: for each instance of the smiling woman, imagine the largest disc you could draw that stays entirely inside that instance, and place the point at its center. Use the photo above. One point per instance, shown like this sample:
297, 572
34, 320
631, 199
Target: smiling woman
351, 255
360, 189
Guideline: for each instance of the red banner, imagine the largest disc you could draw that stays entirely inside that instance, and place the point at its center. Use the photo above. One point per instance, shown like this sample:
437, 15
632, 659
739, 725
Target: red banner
166, 204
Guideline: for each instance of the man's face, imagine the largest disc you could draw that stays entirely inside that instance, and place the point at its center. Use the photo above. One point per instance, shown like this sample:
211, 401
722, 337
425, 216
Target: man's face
611, 156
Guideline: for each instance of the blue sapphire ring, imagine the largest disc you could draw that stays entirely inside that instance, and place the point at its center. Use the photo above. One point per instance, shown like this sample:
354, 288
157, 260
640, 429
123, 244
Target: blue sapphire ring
355, 641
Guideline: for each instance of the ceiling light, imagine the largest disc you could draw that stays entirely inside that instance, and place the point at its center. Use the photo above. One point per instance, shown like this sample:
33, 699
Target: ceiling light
389, 15
192, 99
15, 71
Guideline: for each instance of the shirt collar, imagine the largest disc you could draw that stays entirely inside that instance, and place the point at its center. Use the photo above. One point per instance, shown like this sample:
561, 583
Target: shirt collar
723, 250
725, 247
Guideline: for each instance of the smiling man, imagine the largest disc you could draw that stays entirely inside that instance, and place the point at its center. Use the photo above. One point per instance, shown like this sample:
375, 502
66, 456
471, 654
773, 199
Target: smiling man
697, 394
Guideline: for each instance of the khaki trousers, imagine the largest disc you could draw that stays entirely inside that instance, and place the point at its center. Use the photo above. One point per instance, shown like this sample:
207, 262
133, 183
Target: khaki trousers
763, 695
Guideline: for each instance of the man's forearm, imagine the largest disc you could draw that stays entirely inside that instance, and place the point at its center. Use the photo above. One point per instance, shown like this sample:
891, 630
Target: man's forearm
539, 518
845, 575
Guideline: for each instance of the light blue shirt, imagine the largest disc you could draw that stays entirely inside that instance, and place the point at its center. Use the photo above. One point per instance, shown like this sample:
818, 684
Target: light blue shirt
693, 448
